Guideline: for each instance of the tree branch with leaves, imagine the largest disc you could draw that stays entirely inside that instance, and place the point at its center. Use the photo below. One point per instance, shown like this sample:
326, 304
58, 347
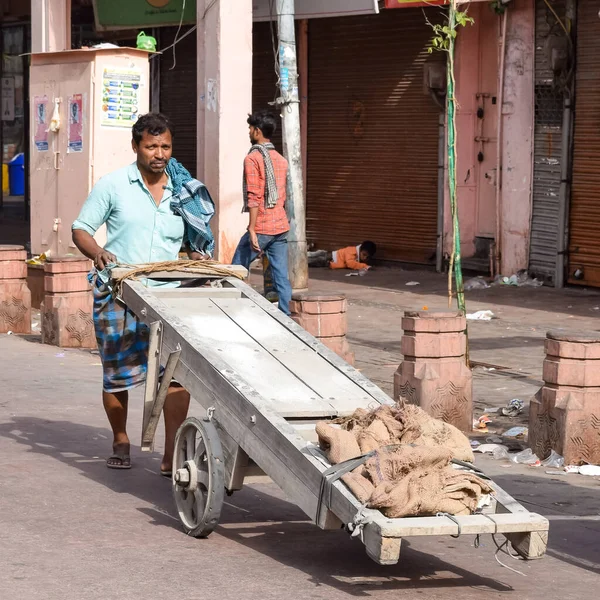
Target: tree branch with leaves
443, 40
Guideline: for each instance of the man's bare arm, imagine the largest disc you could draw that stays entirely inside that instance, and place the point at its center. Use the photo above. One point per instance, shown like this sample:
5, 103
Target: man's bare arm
87, 246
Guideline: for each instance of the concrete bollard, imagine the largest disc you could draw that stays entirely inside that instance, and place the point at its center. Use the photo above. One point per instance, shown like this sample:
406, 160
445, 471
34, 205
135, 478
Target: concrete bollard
67, 310
564, 415
15, 297
434, 374
35, 283
324, 317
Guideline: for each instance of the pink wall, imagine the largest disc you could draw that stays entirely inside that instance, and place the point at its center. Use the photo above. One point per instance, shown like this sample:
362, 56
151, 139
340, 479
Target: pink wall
466, 75
517, 135
50, 25
476, 69
476, 66
224, 101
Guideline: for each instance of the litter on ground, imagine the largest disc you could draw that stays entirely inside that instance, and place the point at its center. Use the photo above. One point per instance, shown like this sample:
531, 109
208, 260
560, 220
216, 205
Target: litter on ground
481, 315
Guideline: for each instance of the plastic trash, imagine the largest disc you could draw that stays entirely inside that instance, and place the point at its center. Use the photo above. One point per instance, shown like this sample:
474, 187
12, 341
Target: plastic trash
526, 457
481, 423
496, 450
513, 408
146, 42
501, 453
520, 279
481, 315
554, 461
476, 283
104, 46
590, 470
494, 439
413, 283
516, 432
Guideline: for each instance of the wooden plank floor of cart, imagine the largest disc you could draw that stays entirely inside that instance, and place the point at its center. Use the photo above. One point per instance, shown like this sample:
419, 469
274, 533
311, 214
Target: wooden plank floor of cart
268, 382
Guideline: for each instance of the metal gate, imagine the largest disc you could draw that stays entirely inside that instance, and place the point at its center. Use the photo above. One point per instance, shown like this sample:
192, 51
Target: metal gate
547, 147
373, 134
178, 93
584, 226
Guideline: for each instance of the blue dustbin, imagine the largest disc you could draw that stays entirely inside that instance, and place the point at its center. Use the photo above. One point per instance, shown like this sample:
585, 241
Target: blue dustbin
16, 175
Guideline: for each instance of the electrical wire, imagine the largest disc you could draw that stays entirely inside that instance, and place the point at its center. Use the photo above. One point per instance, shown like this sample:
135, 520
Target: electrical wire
504, 548
188, 32
177, 35
274, 44
558, 19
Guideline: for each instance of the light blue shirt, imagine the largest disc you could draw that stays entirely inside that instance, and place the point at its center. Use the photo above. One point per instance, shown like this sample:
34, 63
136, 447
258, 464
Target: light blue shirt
138, 231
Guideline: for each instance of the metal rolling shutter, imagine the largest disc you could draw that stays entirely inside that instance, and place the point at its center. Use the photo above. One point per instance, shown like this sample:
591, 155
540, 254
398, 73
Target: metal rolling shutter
372, 135
547, 149
584, 243
264, 77
178, 93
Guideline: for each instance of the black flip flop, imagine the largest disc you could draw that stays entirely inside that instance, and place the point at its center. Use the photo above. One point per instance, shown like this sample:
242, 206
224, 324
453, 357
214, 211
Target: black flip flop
124, 458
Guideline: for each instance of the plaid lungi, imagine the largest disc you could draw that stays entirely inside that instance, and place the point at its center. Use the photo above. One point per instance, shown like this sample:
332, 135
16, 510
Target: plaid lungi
122, 340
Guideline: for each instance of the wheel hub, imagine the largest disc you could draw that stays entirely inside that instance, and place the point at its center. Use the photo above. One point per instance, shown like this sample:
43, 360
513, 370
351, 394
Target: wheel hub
187, 476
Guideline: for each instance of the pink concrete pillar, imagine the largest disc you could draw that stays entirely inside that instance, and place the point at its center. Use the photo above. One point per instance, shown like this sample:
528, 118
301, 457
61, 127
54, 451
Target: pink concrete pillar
517, 137
564, 416
67, 317
224, 101
467, 67
325, 318
35, 283
434, 374
15, 298
50, 25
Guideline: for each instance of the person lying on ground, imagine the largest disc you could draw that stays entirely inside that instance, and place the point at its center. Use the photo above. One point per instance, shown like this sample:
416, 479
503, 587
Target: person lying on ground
352, 257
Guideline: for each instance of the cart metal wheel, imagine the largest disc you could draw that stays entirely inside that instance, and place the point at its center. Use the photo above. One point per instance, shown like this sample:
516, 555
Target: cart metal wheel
198, 476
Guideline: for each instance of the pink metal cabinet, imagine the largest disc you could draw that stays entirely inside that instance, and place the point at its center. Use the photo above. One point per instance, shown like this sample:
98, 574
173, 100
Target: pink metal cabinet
84, 84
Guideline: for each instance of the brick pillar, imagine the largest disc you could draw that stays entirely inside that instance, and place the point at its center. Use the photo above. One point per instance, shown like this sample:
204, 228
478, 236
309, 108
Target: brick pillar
324, 317
67, 317
564, 415
434, 374
15, 297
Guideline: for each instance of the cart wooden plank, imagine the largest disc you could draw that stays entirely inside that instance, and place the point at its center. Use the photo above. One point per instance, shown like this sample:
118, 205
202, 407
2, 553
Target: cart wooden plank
287, 393
326, 381
331, 357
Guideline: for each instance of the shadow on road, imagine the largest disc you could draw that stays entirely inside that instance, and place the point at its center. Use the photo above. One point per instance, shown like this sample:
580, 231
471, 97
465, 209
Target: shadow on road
261, 520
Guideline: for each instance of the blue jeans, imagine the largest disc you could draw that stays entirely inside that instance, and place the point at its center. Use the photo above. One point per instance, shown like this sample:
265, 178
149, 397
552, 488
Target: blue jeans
276, 249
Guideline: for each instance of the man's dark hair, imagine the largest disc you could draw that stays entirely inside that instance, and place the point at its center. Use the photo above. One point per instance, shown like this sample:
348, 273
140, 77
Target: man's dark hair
153, 123
265, 121
369, 247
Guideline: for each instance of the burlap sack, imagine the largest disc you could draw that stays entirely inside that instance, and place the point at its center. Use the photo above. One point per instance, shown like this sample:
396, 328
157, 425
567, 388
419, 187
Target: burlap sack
423, 430
392, 465
373, 437
360, 486
338, 444
413, 481
410, 474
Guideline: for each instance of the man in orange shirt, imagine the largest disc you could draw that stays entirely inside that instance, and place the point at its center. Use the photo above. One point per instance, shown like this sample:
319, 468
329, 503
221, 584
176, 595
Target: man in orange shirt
352, 257
265, 182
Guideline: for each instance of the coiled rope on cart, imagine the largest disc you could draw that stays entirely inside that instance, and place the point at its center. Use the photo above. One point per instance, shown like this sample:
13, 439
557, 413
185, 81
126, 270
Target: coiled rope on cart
196, 267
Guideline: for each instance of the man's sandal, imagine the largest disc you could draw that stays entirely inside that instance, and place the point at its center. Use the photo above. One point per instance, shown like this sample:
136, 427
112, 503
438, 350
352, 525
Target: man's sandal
119, 461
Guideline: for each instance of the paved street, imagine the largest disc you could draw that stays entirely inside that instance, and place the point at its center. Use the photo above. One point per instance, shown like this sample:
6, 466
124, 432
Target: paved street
70, 529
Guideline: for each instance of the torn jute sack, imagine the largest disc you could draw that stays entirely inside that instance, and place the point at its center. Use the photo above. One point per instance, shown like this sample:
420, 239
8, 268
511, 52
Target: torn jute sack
411, 472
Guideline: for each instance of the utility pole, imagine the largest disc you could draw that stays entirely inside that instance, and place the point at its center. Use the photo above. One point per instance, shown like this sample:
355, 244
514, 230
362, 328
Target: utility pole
289, 103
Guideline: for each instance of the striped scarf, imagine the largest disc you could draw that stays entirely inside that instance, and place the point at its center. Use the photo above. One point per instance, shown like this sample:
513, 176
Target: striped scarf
271, 194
